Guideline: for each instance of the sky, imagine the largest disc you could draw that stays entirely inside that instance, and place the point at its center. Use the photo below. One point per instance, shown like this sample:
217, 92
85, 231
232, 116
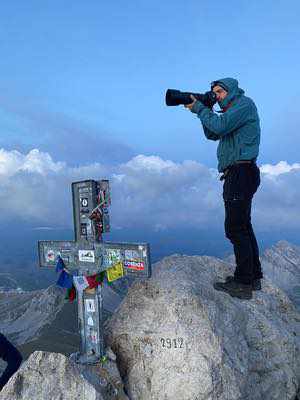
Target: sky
82, 95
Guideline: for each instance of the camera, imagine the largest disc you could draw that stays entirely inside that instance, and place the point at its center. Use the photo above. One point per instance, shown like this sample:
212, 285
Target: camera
176, 97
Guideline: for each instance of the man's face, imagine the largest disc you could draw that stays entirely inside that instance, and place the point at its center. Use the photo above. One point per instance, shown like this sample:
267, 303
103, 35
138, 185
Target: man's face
220, 92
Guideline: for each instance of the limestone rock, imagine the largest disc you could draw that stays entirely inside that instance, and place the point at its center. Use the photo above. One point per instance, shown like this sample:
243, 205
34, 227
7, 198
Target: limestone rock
177, 338
49, 376
281, 264
104, 377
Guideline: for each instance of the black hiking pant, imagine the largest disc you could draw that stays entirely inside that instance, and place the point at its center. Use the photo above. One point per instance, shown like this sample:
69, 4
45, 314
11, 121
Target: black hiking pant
241, 182
10, 355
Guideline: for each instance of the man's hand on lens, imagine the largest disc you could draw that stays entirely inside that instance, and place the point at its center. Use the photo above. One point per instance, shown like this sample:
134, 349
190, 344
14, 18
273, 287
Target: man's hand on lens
190, 106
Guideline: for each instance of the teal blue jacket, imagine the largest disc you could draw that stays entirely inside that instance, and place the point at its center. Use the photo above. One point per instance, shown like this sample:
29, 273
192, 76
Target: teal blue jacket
237, 129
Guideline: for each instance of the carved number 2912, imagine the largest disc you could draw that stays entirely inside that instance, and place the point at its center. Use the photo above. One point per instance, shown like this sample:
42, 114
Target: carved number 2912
169, 343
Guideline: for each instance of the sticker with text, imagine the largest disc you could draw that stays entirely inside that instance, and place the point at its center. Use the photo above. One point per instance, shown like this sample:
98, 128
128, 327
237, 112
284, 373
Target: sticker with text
112, 257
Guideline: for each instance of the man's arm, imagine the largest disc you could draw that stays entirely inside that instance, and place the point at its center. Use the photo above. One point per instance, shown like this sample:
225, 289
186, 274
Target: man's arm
233, 118
209, 134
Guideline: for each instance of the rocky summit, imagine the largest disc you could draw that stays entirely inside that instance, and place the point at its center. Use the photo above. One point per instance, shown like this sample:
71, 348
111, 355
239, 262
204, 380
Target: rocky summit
173, 337
176, 338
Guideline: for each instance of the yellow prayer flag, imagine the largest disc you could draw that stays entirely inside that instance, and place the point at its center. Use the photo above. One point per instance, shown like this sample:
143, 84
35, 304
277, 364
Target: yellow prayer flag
116, 272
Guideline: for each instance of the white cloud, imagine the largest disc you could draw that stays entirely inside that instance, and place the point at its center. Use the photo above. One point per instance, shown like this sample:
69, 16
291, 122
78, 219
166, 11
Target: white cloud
150, 163
147, 192
164, 194
278, 199
280, 168
12, 162
43, 228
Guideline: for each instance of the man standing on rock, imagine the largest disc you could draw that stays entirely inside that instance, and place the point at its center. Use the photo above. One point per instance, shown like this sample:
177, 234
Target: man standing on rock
13, 358
237, 129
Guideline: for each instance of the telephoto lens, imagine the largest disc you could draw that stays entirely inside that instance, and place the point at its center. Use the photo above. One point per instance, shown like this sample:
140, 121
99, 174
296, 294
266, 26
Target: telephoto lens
176, 97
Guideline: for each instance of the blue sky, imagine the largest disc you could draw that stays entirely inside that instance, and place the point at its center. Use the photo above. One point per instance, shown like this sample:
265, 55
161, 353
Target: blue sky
84, 83
106, 66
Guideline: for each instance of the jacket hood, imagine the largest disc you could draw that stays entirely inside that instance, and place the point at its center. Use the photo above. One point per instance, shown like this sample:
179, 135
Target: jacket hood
231, 85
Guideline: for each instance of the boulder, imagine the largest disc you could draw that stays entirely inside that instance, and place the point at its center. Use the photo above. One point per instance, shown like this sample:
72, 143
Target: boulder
177, 338
48, 376
53, 376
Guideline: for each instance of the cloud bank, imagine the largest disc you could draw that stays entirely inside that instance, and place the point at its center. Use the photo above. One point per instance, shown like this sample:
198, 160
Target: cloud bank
147, 192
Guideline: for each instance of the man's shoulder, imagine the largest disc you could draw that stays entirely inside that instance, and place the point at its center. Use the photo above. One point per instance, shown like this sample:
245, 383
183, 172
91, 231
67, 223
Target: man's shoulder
245, 101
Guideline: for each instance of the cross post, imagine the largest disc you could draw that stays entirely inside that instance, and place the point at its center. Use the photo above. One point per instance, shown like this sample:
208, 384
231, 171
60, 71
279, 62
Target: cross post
89, 255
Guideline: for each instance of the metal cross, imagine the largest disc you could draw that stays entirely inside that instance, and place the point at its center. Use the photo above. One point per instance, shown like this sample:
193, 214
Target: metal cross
88, 255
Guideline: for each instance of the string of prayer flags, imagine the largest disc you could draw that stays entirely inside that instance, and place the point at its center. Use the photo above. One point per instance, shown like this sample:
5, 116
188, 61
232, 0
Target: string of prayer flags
71, 294
65, 280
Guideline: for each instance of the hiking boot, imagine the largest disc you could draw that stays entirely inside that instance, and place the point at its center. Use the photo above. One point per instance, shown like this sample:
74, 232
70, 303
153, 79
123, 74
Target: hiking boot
256, 284
235, 289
